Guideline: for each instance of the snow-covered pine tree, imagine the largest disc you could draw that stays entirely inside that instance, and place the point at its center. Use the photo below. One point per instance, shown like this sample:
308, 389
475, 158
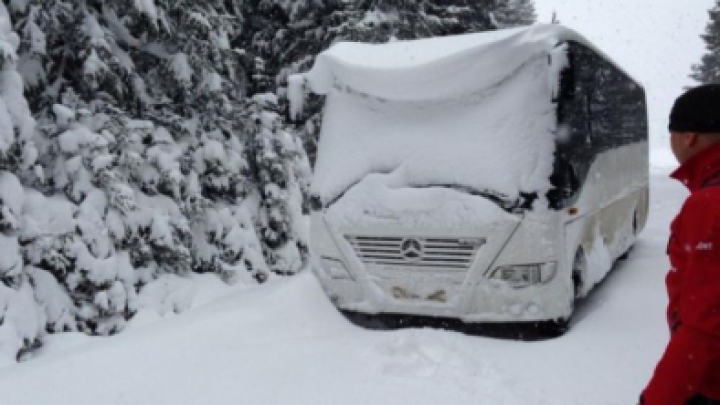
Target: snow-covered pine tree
167, 64
75, 232
286, 35
79, 79
384, 20
200, 88
281, 172
142, 147
22, 321
708, 70
515, 13
193, 86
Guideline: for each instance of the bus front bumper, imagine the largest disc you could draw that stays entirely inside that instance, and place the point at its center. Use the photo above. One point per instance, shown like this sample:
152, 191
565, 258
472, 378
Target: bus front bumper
484, 301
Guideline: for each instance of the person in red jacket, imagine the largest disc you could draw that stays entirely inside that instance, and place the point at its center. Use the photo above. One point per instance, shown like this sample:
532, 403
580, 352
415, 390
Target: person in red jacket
689, 370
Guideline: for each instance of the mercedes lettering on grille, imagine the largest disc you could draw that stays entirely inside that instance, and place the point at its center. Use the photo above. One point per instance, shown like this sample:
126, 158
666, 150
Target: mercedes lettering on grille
412, 250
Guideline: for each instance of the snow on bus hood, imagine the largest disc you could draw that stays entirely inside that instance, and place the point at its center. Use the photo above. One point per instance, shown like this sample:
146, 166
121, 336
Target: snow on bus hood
374, 203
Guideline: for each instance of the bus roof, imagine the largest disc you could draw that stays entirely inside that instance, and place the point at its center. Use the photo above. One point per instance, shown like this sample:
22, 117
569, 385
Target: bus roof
440, 67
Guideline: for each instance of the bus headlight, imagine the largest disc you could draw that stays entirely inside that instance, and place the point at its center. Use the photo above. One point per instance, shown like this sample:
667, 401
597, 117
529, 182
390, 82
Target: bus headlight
335, 269
520, 276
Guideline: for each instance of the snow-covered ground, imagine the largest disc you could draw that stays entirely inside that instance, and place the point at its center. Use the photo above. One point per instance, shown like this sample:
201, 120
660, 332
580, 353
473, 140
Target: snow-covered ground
284, 343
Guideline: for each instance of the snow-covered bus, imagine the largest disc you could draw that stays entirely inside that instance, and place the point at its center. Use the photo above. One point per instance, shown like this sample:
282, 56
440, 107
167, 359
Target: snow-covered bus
491, 177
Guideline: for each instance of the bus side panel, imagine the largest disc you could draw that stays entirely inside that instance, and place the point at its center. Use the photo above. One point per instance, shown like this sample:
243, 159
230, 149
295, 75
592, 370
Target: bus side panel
614, 193
603, 117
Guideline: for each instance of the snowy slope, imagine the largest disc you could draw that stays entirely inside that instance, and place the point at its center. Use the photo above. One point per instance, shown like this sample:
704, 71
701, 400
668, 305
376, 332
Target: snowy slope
285, 344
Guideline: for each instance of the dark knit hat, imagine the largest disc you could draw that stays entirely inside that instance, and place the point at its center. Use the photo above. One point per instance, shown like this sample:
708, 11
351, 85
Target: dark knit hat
698, 110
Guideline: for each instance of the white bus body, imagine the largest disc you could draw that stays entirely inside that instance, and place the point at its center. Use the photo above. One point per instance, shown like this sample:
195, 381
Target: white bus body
399, 227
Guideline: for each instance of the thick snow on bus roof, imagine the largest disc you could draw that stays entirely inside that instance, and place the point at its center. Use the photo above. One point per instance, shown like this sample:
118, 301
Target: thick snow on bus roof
435, 68
405, 54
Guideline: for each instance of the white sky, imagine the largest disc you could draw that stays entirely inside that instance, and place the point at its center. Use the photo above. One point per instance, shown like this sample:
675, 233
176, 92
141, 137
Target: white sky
657, 41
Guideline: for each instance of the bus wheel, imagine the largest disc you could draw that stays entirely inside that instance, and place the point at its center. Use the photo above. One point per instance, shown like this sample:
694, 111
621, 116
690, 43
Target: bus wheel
558, 327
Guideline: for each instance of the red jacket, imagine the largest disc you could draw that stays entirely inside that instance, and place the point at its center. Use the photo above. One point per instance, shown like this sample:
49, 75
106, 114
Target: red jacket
691, 363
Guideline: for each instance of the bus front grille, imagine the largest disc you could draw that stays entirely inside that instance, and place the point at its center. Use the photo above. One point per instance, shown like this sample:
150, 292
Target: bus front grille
416, 252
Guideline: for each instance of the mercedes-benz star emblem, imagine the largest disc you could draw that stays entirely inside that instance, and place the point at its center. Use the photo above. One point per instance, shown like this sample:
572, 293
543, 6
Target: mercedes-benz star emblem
412, 250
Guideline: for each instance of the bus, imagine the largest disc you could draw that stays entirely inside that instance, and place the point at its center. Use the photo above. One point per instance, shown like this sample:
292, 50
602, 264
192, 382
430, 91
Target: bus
486, 178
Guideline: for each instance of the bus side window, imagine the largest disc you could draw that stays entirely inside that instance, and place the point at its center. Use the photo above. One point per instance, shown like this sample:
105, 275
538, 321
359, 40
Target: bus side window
601, 110
573, 144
